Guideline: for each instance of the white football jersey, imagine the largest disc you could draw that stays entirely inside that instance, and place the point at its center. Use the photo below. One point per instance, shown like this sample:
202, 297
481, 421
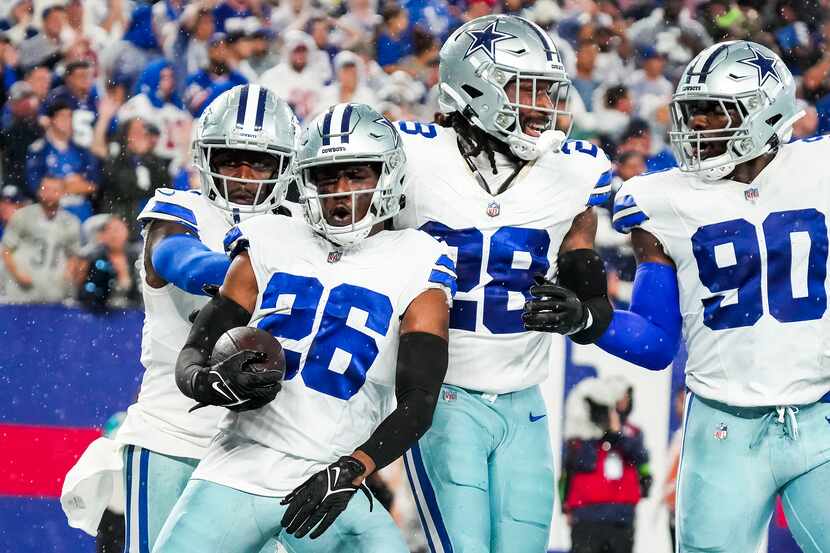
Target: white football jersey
752, 273
159, 419
337, 314
499, 243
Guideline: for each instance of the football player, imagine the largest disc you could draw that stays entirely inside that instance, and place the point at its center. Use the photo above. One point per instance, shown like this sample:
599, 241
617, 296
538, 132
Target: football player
732, 252
362, 315
243, 149
497, 182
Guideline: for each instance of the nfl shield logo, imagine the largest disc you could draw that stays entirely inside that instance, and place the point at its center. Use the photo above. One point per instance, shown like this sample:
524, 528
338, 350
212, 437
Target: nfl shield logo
720, 432
334, 256
450, 395
751, 194
493, 209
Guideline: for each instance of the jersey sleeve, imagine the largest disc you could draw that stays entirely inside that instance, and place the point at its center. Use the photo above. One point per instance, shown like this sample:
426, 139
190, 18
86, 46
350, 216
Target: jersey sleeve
435, 270
602, 173
177, 206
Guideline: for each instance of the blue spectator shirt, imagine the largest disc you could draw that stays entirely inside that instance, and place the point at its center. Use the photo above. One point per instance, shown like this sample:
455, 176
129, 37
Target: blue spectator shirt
44, 159
391, 51
201, 88
84, 113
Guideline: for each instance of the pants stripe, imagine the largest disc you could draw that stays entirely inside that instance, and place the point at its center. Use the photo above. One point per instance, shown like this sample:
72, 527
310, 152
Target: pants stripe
143, 531
418, 501
128, 471
687, 412
427, 494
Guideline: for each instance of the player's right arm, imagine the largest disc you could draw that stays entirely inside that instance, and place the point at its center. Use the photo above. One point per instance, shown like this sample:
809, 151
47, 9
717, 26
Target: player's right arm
227, 383
648, 333
173, 253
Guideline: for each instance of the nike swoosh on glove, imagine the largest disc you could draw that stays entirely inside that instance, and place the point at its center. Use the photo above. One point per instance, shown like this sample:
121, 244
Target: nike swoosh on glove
321, 498
233, 385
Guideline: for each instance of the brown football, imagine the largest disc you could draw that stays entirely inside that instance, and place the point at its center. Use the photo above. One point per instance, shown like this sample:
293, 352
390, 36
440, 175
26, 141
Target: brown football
249, 338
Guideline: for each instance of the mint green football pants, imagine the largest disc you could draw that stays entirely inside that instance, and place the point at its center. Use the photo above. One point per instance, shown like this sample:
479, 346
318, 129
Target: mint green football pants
482, 476
737, 460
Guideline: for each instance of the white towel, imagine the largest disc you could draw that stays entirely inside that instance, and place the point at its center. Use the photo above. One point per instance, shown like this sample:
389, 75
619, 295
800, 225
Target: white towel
93, 484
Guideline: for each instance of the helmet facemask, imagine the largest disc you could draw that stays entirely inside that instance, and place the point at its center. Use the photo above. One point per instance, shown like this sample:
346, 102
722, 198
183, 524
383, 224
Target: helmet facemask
386, 197
549, 132
270, 192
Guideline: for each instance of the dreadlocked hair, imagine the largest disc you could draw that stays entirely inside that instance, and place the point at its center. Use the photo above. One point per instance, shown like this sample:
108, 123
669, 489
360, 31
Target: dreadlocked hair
472, 140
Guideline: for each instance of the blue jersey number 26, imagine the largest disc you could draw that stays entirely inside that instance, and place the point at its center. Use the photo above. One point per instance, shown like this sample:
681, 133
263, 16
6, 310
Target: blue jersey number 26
795, 292
515, 256
332, 334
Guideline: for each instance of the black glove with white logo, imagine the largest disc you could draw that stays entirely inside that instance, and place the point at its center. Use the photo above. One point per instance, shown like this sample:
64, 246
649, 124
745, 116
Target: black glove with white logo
321, 498
232, 384
554, 308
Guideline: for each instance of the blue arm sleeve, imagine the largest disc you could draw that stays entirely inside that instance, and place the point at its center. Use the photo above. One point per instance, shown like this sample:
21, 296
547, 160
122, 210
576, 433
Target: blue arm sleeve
184, 261
649, 334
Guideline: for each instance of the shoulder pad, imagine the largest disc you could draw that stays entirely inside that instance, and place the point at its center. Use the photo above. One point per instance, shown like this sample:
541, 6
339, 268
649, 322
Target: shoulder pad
178, 206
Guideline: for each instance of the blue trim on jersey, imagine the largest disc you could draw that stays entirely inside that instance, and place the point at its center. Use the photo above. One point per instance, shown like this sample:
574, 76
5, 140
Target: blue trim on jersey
143, 532
344, 124
243, 106
445, 261
327, 127
625, 224
825, 398
444, 279
231, 237
649, 333
188, 264
602, 189
424, 525
260, 109
129, 472
175, 210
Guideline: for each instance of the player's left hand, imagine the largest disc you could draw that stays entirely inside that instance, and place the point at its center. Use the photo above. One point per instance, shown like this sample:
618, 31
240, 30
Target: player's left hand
553, 308
321, 498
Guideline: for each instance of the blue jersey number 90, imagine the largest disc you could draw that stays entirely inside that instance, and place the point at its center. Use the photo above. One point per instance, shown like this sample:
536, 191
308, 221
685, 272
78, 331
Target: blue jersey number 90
515, 255
795, 293
332, 334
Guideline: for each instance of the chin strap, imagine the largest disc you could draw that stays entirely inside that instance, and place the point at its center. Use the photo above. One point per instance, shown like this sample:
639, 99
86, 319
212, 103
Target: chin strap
529, 149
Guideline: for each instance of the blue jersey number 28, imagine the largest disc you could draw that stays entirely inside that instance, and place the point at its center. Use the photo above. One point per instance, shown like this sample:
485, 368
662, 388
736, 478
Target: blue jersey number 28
729, 258
515, 255
332, 333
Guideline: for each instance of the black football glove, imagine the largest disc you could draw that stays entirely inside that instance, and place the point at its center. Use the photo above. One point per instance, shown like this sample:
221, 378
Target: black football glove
554, 308
232, 384
321, 498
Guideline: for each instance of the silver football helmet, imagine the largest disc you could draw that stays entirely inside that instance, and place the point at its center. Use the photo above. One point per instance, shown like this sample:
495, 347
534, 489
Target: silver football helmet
481, 58
351, 133
743, 78
246, 117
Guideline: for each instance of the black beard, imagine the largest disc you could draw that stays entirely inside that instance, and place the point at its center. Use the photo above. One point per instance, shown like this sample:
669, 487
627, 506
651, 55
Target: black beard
219, 68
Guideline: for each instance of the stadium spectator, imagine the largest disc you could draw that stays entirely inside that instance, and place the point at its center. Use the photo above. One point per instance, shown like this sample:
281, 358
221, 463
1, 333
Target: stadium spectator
196, 53
361, 20
321, 30
157, 102
20, 130
348, 86
80, 94
40, 246
56, 156
240, 48
17, 22
584, 80
613, 112
292, 15
601, 480
131, 173
424, 52
295, 79
39, 78
394, 38
206, 84
263, 57
637, 137
46, 46
107, 264
648, 84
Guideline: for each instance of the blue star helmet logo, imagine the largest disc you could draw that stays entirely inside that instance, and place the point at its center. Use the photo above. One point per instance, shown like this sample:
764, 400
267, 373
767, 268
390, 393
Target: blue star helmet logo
763, 65
485, 39
385, 122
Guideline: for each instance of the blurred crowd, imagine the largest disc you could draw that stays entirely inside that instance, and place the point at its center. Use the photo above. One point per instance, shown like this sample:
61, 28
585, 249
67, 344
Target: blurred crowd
99, 98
